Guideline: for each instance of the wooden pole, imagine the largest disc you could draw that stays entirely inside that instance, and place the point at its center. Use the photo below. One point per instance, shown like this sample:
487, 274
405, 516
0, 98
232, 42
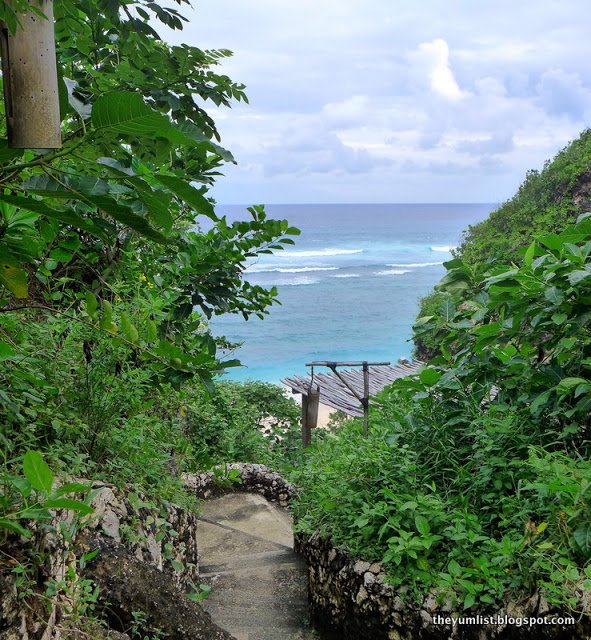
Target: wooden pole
310, 404
365, 400
306, 433
30, 82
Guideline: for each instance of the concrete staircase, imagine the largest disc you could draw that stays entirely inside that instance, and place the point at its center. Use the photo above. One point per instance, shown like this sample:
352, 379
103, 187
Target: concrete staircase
258, 583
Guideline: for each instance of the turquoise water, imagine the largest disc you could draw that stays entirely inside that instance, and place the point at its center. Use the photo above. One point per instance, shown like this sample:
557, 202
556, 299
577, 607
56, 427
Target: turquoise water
350, 286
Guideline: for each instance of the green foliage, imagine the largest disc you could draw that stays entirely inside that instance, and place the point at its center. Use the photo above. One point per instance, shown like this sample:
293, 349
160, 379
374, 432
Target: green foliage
475, 480
112, 258
241, 422
120, 198
545, 203
433, 304
32, 494
96, 410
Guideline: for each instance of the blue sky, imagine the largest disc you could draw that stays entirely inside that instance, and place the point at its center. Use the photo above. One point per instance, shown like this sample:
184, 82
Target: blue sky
395, 100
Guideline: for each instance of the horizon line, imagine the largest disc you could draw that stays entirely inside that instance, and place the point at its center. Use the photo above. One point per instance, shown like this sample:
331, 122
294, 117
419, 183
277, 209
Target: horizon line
275, 204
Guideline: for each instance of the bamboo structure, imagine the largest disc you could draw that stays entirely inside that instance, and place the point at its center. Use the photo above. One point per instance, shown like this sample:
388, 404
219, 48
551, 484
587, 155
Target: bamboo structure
29, 72
336, 390
348, 391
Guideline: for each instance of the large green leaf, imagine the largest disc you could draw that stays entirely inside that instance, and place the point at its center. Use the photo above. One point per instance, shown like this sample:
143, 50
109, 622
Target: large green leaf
67, 188
37, 471
554, 295
92, 191
582, 537
70, 504
566, 385
447, 309
194, 198
422, 525
126, 216
430, 376
126, 113
156, 202
13, 276
6, 351
15, 527
67, 216
576, 276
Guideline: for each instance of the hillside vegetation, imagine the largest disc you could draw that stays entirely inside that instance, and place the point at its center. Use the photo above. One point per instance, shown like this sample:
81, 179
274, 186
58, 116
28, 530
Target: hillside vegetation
545, 202
474, 483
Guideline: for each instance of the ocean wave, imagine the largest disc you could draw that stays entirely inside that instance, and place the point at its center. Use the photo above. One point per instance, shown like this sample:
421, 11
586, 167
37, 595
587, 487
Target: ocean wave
346, 275
445, 248
391, 272
318, 252
414, 264
296, 281
263, 269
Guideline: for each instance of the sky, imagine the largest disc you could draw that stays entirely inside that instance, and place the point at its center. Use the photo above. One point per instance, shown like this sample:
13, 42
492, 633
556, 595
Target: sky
394, 100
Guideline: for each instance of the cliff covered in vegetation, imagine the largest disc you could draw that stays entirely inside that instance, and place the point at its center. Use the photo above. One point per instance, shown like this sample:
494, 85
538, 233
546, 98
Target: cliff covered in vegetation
473, 487
546, 201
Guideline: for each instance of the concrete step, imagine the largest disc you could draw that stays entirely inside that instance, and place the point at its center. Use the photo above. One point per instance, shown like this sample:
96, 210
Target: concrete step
274, 634
252, 560
258, 583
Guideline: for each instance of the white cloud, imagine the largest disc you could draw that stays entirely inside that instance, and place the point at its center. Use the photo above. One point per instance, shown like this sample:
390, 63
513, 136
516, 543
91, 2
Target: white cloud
441, 77
562, 93
383, 101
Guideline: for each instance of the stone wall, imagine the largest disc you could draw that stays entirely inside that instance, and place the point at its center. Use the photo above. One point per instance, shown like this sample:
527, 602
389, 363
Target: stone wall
351, 596
164, 540
242, 476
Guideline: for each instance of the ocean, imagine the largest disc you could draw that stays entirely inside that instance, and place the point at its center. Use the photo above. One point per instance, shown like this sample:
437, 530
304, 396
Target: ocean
349, 288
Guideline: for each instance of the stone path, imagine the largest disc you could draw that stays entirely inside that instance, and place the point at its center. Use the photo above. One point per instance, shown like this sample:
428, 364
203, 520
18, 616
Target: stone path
258, 582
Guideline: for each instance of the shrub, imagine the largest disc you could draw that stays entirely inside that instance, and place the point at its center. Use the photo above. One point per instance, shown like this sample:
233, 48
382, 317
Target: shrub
475, 479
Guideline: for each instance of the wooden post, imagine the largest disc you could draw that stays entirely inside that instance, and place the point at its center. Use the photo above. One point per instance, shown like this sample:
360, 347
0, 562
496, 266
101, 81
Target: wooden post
306, 433
310, 403
30, 82
365, 400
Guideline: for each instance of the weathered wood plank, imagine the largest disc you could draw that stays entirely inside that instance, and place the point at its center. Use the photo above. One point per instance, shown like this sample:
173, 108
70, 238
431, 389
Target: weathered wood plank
335, 394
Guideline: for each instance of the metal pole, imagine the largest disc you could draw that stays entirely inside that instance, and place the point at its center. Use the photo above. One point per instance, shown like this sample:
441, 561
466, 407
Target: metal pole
30, 82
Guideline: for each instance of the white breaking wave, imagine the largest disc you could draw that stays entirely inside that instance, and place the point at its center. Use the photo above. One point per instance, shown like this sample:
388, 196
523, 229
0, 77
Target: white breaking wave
346, 275
318, 252
445, 248
296, 281
391, 272
263, 269
414, 264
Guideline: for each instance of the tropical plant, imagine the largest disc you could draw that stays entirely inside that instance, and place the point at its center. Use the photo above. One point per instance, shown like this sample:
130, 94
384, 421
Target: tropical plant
127, 193
475, 480
32, 495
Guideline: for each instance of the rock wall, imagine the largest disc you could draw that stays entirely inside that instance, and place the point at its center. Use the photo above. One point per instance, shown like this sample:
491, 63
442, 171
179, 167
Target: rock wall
253, 478
126, 524
351, 596
166, 541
